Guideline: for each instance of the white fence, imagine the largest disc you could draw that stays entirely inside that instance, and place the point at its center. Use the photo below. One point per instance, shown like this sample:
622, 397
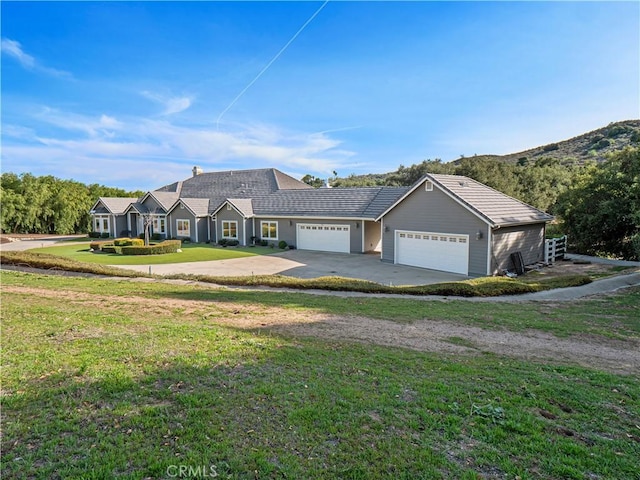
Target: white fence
554, 248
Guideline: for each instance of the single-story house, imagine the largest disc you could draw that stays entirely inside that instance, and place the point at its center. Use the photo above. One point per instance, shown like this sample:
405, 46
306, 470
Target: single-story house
443, 222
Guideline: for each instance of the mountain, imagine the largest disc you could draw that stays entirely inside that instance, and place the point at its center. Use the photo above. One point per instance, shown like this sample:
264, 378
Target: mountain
594, 145
591, 146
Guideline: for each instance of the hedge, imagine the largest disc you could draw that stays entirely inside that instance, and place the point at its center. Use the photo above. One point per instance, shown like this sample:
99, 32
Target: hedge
168, 246
127, 242
95, 246
112, 249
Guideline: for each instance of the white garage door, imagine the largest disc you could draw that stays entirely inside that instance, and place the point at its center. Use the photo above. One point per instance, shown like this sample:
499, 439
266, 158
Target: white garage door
325, 238
437, 251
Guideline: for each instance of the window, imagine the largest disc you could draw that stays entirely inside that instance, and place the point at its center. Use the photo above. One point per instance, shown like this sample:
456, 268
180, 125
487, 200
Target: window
183, 228
428, 186
101, 224
229, 229
158, 225
269, 230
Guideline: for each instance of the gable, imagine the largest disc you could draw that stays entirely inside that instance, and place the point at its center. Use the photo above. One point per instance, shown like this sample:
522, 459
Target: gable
491, 206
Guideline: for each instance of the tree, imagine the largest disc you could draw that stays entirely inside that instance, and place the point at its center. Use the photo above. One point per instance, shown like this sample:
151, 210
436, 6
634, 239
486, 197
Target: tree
47, 204
601, 212
315, 182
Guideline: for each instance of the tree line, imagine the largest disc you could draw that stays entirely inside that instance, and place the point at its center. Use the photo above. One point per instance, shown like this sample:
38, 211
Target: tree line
47, 204
596, 204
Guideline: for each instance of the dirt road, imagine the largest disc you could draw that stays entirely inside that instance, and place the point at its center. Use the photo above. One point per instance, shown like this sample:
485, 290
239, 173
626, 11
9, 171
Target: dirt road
424, 335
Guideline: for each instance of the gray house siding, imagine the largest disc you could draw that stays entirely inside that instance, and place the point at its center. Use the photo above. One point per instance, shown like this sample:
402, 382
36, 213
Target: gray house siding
121, 226
152, 205
527, 239
181, 214
231, 215
287, 229
202, 224
435, 211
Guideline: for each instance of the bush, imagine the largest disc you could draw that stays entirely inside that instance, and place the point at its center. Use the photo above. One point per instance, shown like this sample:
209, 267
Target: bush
112, 249
550, 148
104, 235
264, 243
94, 234
127, 242
168, 246
97, 246
156, 236
228, 242
282, 244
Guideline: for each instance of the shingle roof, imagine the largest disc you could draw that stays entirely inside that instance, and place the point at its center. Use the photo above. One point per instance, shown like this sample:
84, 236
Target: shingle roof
199, 206
244, 205
116, 205
219, 186
165, 199
365, 202
496, 207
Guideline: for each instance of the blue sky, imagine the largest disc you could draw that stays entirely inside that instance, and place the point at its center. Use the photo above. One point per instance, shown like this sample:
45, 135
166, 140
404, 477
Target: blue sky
134, 95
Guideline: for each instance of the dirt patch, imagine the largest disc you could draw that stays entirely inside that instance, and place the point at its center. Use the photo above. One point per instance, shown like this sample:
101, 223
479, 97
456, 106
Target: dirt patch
424, 335
568, 267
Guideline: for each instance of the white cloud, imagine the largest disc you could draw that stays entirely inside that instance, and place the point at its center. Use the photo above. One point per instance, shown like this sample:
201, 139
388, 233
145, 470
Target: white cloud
171, 104
147, 153
14, 49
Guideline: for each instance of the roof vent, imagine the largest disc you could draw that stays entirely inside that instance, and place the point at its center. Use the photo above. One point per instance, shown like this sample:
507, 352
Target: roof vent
464, 184
196, 171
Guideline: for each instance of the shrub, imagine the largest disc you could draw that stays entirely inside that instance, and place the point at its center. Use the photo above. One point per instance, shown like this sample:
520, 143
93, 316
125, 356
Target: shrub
168, 246
233, 243
127, 242
112, 249
104, 235
97, 246
223, 242
94, 234
156, 236
282, 244
264, 243
550, 148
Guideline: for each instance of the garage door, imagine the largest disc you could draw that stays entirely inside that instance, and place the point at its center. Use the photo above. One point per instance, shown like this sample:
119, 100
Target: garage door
437, 251
325, 238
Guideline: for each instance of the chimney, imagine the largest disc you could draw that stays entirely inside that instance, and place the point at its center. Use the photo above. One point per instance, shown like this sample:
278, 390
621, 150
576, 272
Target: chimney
196, 171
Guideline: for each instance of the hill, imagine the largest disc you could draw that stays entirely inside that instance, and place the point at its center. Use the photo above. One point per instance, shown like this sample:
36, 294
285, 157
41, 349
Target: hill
591, 146
594, 145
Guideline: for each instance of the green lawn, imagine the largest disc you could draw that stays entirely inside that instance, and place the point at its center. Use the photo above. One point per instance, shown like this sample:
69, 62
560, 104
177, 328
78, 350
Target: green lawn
190, 253
121, 389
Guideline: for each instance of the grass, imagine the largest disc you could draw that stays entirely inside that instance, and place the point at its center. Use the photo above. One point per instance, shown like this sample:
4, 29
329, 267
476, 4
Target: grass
190, 253
102, 389
483, 287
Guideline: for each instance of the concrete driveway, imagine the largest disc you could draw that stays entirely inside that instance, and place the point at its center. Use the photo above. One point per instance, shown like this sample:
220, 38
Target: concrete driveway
308, 264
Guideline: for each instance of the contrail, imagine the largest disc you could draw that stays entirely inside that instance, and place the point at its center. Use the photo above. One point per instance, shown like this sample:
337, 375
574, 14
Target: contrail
269, 64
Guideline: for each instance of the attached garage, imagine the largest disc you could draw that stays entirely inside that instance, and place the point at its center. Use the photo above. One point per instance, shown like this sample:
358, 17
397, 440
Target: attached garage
323, 237
436, 251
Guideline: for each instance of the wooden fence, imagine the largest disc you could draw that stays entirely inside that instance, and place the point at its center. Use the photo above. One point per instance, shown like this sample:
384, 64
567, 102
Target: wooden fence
554, 248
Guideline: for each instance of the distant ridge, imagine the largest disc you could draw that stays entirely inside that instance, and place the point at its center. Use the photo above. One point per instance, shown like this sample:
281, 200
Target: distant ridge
594, 145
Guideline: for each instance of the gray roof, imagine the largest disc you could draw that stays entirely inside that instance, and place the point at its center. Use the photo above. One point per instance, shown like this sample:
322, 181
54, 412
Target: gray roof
115, 205
365, 202
219, 186
165, 199
244, 206
496, 207
199, 206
